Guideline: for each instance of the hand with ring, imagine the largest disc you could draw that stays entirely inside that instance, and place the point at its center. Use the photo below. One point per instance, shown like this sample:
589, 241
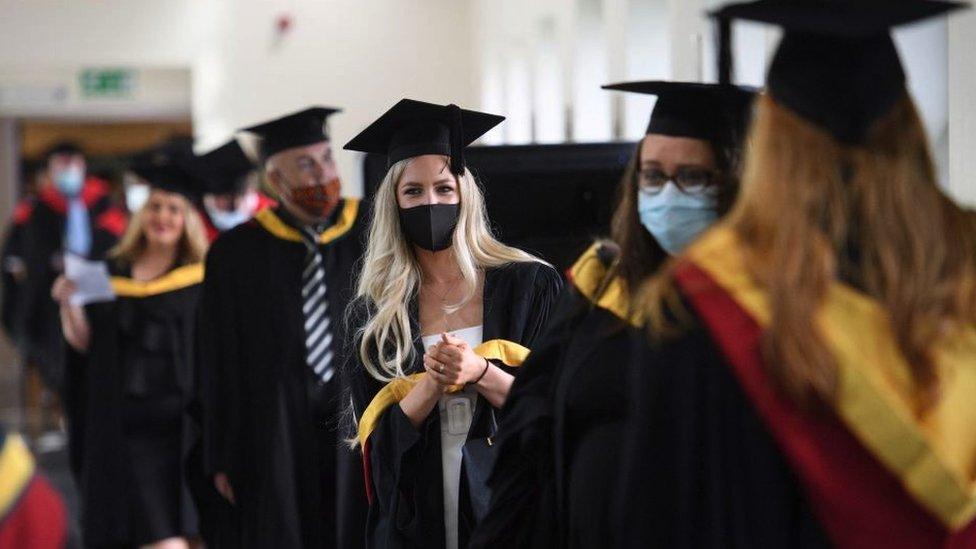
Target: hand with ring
453, 362
436, 369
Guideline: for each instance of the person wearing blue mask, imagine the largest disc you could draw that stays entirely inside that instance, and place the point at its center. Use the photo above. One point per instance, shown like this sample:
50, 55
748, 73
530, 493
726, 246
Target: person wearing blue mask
71, 212
550, 483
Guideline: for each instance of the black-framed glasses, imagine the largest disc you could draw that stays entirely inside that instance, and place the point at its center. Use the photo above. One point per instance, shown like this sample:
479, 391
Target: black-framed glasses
688, 180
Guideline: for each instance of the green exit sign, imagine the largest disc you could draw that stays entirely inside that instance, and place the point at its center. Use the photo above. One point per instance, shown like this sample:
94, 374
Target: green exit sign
107, 82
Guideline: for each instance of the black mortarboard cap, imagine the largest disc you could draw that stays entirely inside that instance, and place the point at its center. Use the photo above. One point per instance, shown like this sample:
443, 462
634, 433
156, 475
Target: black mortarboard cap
691, 109
414, 128
297, 129
170, 166
173, 147
178, 175
225, 168
836, 65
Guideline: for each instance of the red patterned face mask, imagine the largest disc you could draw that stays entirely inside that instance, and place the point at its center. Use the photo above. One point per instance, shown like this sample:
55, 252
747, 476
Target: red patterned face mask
317, 201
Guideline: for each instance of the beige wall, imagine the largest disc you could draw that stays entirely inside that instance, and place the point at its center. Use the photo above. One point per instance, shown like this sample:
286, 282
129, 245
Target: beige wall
962, 108
59, 32
364, 54
360, 55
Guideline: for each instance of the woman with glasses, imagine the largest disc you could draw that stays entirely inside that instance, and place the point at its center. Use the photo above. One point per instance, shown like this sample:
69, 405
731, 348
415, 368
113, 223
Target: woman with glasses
550, 485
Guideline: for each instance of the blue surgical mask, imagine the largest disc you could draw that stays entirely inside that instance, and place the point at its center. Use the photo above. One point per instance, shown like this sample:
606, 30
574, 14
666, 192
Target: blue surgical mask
225, 220
675, 218
69, 181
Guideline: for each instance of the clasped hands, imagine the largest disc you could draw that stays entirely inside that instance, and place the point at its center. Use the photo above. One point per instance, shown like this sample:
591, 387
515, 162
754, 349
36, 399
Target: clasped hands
453, 362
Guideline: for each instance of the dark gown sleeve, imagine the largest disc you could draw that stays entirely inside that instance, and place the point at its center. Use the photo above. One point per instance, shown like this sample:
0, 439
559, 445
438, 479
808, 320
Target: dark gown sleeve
697, 467
215, 404
101, 320
13, 293
545, 291
392, 455
76, 389
522, 488
217, 347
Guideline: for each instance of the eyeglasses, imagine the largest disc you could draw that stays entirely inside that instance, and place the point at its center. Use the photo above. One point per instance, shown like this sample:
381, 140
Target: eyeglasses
688, 180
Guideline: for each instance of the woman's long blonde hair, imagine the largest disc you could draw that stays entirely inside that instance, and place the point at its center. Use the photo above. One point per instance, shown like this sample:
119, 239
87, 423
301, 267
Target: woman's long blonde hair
812, 211
391, 277
192, 245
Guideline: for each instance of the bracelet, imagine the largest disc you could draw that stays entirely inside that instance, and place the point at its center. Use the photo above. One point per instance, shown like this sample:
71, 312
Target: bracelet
483, 372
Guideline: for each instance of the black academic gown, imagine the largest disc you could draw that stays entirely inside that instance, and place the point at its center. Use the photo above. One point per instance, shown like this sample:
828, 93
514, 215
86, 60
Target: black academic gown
36, 238
12, 278
697, 467
558, 480
268, 423
550, 483
126, 402
405, 477
714, 454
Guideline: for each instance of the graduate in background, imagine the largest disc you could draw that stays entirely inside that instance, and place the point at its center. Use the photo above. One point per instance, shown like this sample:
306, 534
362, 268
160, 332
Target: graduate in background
434, 278
805, 376
175, 147
71, 212
553, 482
130, 373
231, 197
270, 327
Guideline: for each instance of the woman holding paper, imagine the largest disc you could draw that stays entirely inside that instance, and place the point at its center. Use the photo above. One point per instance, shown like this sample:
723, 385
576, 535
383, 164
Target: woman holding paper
130, 374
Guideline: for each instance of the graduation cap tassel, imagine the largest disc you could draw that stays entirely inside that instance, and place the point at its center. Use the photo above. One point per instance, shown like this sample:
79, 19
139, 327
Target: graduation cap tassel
724, 51
457, 140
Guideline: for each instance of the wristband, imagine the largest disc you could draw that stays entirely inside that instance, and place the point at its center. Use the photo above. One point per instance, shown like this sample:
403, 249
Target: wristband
483, 372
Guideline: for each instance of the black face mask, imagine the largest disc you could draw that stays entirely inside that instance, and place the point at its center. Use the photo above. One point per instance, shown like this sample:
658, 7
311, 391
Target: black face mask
430, 226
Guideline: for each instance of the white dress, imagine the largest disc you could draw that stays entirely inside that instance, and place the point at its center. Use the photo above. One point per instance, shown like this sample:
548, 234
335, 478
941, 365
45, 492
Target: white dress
456, 412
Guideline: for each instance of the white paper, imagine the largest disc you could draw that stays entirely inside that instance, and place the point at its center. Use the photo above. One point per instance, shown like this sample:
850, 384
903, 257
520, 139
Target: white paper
90, 278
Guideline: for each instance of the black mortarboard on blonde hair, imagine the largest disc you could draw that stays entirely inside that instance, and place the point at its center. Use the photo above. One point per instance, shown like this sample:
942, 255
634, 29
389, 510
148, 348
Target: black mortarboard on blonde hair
414, 128
177, 175
836, 65
170, 166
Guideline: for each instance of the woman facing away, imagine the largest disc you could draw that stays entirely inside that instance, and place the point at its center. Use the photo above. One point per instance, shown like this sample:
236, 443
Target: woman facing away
443, 316
131, 374
805, 372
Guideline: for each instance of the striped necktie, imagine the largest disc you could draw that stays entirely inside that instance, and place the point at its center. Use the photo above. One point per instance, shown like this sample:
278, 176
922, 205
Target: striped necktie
315, 309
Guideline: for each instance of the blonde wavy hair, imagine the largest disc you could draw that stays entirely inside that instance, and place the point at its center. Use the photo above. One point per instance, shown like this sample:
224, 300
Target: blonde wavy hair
391, 276
812, 211
192, 245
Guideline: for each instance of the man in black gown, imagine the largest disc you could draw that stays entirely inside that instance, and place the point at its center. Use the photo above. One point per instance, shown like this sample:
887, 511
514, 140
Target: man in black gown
72, 211
271, 319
